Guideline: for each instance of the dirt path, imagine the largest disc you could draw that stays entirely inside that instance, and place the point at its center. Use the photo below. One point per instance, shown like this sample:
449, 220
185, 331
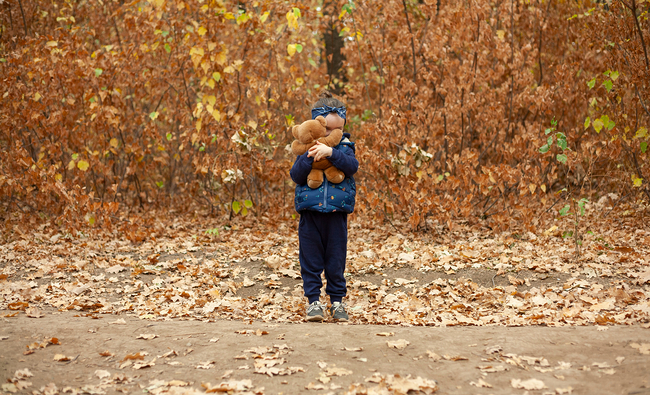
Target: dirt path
577, 360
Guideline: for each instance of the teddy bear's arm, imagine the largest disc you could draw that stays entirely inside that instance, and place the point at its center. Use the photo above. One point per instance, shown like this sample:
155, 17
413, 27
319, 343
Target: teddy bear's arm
333, 139
298, 148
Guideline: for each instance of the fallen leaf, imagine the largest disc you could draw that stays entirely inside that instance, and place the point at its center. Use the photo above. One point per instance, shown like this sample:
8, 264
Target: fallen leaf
119, 321
480, 384
563, 391
102, 374
643, 348
214, 340
106, 354
398, 344
530, 384
432, 355
352, 349
386, 334
205, 365
61, 358
454, 358
147, 336
33, 312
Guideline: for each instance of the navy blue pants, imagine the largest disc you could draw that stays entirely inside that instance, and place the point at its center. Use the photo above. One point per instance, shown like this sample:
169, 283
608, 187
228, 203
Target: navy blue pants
323, 239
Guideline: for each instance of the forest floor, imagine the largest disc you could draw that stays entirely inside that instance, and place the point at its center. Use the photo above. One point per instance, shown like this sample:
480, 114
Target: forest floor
456, 312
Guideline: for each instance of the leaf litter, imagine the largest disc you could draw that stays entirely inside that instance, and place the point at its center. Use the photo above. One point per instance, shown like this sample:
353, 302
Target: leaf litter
202, 281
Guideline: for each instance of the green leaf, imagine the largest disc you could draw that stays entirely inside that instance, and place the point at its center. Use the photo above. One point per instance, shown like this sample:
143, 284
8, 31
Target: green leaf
581, 204
373, 68
236, 207
296, 12
248, 204
169, 137
544, 148
591, 83
3, 60
598, 125
312, 62
244, 211
561, 141
168, 47
587, 122
614, 75
98, 72
561, 158
547, 131
75, 156
644, 146
564, 210
160, 184
153, 115
549, 141
608, 85
606, 74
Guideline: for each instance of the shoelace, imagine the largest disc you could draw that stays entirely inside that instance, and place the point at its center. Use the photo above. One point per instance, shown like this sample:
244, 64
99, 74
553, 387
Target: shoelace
315, 305
339, 307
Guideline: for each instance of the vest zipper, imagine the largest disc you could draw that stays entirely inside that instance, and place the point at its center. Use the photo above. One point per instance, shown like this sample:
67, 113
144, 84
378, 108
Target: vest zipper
325, 195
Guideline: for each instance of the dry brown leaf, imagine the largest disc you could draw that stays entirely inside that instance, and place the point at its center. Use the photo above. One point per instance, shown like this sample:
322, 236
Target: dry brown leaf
61, 358
386, 334
147, 336
480, 383
398, 344
530, 384
643, 348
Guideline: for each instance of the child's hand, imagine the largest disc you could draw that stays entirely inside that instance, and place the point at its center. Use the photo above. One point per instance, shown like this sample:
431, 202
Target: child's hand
319, 151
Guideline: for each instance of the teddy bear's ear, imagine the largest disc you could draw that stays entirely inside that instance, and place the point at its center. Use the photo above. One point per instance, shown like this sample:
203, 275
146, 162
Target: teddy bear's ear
322, 120
294, 131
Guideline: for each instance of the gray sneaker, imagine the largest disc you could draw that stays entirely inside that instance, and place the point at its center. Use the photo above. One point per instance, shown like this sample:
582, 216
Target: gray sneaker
316, 312
337, 311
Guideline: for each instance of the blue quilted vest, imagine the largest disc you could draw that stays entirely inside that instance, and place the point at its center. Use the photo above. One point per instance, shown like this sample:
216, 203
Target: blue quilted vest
329, 198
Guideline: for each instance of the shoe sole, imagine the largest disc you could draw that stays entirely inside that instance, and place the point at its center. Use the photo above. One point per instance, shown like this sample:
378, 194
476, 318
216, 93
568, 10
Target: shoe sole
315, 318
340, 319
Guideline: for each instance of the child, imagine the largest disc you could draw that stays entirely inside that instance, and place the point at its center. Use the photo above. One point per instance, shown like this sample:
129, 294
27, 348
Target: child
322, 231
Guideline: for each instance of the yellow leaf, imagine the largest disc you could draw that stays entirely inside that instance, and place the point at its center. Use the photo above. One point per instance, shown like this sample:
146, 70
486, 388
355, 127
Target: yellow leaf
641, 133
211, 45
198, 110
532, 188
58, 177
228, 15
491, 178
636, 180
342, 13
216, 115
252, 124
210, 83
543, 188
51, 44
229, 70
196, 54
501, 34
201, 31
216, 76
198, 125
291, 48
299, 81
264, 16
292, 20
221, 58
37, 96
71, 165
243, 18
114, 142
83, 165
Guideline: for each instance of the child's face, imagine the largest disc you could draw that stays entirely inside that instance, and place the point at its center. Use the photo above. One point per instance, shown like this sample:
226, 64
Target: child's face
334, 122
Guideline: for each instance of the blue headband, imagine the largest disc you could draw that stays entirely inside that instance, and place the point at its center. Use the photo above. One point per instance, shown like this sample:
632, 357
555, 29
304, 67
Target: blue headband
340, 111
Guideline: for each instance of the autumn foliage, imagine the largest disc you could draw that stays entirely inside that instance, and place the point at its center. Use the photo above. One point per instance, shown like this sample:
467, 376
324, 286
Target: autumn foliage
472, 111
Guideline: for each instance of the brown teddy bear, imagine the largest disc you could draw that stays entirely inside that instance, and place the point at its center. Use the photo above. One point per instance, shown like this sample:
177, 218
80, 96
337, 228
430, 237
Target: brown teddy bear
306, 135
